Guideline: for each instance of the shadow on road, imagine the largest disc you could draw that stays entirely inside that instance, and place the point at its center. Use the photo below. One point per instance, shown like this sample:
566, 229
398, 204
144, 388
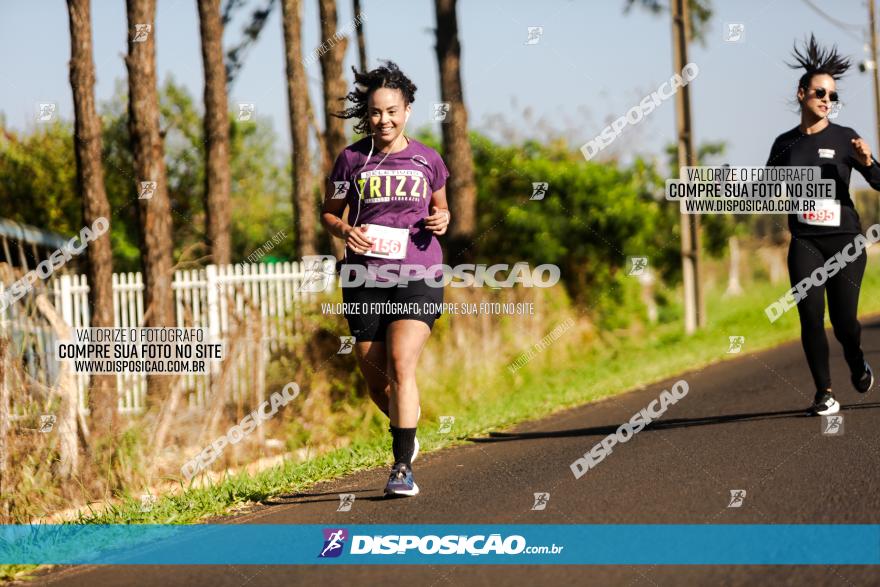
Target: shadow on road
661, 424
333, 496
300, 498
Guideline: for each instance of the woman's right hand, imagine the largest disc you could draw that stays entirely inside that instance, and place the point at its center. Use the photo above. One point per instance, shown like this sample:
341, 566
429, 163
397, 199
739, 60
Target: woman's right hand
357, 240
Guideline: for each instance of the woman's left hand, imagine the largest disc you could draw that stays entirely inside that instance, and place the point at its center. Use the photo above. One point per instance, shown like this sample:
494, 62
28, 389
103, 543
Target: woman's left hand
863, 152
438, 220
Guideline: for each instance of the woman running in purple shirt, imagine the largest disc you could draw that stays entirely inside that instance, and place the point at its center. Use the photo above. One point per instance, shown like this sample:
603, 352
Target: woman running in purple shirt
394, 187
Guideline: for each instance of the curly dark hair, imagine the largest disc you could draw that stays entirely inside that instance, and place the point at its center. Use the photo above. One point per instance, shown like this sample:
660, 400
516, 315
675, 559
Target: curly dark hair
818, 61
387, 76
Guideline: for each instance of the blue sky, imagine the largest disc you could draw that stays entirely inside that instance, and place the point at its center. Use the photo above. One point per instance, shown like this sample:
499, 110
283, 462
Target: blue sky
592, 64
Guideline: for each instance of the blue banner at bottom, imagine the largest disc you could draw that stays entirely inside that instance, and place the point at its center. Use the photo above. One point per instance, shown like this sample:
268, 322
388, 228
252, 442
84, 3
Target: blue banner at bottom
268, 544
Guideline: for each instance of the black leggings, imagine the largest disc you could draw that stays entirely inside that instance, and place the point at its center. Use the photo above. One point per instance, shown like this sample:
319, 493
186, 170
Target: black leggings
805, 255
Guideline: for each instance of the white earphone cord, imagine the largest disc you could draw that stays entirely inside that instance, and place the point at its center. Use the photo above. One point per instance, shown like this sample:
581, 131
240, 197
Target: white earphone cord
357, 189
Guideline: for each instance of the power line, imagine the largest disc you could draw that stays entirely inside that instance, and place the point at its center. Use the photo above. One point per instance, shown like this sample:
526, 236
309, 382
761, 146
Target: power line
844, 26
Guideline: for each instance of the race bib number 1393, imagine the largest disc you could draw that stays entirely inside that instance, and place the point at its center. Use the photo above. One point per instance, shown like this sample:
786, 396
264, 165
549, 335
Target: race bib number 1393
827, 213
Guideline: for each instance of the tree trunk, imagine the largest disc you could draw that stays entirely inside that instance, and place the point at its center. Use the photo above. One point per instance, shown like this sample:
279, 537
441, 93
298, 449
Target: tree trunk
461, 188
304, 204
154, 213
333, 85
217, 174
103, 398
334, 90
359, 31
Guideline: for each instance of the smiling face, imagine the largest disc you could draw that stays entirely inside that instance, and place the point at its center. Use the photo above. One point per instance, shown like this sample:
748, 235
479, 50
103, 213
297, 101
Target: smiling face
816, 99
387, 112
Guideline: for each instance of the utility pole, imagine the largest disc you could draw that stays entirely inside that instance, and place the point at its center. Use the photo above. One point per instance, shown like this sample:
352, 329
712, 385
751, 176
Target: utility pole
872, 22
694, 308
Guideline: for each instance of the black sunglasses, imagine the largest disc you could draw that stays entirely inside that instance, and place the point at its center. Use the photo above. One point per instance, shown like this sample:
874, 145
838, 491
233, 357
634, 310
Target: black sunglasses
820, 93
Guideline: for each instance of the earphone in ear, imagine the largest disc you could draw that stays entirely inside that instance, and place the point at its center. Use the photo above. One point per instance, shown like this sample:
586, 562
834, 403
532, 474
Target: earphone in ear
405, 119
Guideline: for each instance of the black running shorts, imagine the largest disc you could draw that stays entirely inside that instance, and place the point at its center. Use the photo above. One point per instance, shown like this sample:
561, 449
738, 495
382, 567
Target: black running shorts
369, 310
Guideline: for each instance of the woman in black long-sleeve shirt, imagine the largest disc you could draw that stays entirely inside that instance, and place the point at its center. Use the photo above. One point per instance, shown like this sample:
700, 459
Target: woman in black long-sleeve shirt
818, 236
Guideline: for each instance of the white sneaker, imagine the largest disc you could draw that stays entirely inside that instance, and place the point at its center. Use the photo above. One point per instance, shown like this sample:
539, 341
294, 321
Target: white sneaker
825, 405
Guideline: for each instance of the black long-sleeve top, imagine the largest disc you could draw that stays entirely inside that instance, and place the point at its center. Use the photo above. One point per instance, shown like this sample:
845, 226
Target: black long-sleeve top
832, 150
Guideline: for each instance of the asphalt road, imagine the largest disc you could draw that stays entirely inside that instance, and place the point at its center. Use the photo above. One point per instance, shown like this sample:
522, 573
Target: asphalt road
742, 426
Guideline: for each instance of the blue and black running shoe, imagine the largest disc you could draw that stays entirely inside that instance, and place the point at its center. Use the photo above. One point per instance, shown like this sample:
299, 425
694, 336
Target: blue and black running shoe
864, 382
401, 482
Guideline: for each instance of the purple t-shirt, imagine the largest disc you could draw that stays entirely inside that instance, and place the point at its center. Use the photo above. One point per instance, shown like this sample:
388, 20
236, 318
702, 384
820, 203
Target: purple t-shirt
396, 193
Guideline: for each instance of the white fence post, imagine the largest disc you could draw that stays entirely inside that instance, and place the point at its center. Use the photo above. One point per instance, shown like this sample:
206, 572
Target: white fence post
67, 300
213, 295
213, 302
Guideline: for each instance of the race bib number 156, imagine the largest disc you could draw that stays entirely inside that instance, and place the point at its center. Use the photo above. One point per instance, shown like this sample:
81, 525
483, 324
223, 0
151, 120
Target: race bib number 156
388, 243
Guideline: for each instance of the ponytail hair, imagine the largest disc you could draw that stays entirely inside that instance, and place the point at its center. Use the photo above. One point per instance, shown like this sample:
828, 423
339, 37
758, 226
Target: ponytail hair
816, 60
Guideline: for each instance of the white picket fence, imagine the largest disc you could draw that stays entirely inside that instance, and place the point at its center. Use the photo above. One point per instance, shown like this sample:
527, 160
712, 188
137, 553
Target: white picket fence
210, 298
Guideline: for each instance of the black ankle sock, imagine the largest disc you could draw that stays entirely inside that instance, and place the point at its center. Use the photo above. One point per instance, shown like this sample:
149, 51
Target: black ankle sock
403, 444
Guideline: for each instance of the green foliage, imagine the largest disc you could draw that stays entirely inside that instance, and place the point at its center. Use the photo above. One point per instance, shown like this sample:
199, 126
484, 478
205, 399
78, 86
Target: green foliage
592, 219
38, 176
261, 193
38, 167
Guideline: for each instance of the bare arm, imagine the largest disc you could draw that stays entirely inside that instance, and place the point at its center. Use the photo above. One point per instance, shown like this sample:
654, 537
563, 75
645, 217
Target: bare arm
439, 219
331, 218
